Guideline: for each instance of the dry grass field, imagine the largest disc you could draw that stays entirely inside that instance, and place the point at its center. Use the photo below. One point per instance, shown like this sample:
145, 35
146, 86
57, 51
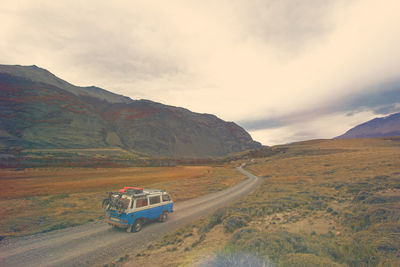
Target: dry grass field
43, 199
322, 203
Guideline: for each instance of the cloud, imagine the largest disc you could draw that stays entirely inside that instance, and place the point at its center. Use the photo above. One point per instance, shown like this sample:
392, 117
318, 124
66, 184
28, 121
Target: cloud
100, 40
321, 127
289, 25
381, 99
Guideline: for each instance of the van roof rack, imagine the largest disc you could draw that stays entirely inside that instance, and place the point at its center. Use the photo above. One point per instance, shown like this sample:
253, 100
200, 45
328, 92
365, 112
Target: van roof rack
140, 195
150, 190
137, 191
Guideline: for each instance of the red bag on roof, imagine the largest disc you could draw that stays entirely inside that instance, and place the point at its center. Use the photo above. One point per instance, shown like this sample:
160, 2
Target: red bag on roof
129, 187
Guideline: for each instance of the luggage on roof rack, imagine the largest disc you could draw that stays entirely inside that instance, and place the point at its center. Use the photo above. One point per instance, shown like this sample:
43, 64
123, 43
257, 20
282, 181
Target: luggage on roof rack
131, 190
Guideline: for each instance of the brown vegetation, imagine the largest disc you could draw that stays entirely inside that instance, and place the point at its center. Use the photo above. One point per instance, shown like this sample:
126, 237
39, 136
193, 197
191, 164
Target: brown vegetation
43, 199
322, 203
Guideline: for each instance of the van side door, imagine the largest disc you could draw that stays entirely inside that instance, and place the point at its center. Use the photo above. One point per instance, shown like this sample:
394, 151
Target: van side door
156, 207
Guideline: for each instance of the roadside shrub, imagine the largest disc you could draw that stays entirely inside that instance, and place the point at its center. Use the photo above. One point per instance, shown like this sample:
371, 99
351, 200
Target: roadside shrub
243, 234
387, 244
360, 197
215, 219
306, 260
279, 243
373, 216
59, 226
69, 205
272, 245
202, 237
124, 258
382, 199
234, 222
230, 258
384, 238
61, 196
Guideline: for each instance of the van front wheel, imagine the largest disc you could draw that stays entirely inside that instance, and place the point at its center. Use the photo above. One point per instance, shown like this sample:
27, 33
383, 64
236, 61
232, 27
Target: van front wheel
164, 216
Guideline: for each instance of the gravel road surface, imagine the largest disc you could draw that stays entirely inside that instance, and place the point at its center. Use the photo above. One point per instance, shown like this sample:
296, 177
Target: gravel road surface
97, 243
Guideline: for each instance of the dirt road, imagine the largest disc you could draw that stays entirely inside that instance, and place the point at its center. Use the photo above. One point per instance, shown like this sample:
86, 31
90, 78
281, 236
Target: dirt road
97, 243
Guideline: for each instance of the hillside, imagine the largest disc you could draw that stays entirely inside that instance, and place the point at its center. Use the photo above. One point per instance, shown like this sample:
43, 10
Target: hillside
40, 111
378, 127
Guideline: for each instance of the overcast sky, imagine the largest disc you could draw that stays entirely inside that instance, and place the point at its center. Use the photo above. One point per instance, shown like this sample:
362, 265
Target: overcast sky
285, 70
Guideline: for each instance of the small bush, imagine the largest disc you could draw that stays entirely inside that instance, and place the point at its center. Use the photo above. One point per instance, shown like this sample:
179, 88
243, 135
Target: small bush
60, 226
243, 233
229, 258
124, 258
215, 219
382, 199
274, 245
306, 260
202, 237
360, 197
69, 205
187, 235
234, 222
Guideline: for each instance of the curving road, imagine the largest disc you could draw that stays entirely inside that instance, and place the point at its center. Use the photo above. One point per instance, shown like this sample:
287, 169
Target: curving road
97, 243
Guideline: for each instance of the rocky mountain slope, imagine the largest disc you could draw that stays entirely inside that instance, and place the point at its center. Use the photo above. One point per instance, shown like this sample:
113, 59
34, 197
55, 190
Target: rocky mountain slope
378, 127
39, 110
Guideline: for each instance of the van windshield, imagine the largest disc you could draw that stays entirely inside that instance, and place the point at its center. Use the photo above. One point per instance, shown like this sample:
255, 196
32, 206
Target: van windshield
165, 198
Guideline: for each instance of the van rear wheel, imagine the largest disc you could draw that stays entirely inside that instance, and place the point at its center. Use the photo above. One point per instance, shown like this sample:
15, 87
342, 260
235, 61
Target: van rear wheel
138, 225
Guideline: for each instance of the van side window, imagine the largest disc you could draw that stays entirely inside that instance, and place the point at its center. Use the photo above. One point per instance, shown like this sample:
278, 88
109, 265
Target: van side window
141, 202
154, 200
165, 198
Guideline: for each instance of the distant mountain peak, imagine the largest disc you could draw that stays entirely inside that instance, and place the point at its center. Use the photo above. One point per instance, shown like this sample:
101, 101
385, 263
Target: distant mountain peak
37, 74
378, 127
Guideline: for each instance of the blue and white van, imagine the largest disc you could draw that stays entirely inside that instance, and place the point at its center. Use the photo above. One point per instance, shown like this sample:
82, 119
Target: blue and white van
132, 207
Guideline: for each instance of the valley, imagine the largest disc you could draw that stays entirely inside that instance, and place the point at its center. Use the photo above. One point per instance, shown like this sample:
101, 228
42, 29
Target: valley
319, 202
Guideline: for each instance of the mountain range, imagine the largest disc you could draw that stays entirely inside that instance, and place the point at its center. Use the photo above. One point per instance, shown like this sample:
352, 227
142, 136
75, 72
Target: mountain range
378, 127
40, 110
